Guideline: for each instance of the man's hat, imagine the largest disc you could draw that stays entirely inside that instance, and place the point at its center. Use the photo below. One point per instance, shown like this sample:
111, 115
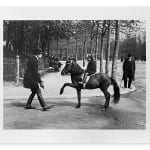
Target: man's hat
38, 51
129, 55
90, 56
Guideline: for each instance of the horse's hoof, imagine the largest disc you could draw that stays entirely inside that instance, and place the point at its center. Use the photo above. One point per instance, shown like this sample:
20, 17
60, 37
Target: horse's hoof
104, 108
61, 91
78, 106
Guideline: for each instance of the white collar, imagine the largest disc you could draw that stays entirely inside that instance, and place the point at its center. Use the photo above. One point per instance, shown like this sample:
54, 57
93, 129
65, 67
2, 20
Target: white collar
36, 57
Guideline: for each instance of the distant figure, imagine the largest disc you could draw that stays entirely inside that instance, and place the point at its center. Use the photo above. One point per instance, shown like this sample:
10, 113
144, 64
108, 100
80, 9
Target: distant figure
57, 65
90, 70
128, 71
121, 59
53, 61
50, 61
32, 80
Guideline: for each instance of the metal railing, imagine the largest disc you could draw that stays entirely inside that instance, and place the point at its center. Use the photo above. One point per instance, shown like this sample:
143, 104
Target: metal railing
14, 68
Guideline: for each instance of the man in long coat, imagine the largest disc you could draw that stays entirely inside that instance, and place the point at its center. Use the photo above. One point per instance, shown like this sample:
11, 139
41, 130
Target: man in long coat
128, 71
32, 80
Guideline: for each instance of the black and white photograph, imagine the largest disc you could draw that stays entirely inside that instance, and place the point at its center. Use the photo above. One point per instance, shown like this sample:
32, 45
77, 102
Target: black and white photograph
74, 75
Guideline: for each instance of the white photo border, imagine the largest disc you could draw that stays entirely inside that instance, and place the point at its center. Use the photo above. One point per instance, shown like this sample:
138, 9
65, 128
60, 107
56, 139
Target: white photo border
76, 136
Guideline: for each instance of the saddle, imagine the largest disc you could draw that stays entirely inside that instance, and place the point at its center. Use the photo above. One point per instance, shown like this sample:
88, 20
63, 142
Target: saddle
85, 79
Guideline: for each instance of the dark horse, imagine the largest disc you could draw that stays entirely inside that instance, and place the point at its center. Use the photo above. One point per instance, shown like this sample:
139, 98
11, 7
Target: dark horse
98, 80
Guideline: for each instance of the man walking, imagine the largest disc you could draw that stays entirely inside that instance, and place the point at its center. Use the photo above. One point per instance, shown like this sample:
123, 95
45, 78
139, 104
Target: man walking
32, 80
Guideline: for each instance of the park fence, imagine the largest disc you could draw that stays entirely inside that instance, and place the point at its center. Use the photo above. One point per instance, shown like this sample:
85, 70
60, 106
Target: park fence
14, 68
9, 68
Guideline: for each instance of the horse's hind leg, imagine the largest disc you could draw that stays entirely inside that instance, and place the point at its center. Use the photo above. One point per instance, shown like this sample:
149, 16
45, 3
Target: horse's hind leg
79, 98
107, 96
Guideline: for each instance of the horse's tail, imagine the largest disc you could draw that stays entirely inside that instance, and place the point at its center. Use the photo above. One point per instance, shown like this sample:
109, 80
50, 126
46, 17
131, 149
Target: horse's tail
116, 91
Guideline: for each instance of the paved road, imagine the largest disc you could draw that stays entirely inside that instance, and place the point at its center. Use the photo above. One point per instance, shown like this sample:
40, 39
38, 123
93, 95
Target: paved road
130, 113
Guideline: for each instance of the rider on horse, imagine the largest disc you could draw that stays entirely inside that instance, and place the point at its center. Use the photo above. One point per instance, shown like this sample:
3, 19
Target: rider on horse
90, 70
98, 80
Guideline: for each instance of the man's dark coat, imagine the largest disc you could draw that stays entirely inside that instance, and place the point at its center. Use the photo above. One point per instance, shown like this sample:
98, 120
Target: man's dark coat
32, 77
129, 68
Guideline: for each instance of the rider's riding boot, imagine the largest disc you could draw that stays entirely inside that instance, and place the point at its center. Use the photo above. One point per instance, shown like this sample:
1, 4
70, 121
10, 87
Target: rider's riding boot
41, 100
28, 105
83, 83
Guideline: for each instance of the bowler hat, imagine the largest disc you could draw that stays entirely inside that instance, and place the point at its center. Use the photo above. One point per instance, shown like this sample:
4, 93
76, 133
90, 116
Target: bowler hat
38, 51
129, 55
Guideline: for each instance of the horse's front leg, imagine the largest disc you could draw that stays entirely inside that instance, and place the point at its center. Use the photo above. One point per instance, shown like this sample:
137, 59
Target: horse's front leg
67, 84
79, 98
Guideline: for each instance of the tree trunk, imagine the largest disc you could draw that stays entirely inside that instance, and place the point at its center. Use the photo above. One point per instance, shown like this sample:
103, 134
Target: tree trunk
96, 43
21, 44
101, 53
25, 47
57, 45
84, 52
61, 51
76, 49
102, 45
107, 50
49, 52
91, 44
57, 38
8, 34
96, 48
91, 36
39, 40
67, 50
116, 50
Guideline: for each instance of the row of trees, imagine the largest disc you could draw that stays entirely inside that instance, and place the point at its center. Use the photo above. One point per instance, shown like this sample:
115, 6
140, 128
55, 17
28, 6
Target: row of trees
75, 37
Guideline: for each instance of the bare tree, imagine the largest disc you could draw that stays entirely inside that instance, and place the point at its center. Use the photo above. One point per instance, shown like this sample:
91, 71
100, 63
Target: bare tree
91, 35
96, 40
108, 50
116, 50
104, 27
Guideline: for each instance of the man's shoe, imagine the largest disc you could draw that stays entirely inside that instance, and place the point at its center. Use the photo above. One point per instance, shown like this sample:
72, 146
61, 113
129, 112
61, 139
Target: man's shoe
46, 108
29, 107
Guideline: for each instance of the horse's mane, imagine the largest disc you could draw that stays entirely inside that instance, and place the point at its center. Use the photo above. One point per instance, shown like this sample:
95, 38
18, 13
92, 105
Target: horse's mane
76, 69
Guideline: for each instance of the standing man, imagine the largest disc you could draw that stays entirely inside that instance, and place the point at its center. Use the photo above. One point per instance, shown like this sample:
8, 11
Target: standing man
32, 80
128, 71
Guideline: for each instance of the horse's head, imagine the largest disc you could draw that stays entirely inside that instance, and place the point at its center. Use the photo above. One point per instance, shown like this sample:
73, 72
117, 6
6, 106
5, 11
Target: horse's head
67, 68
